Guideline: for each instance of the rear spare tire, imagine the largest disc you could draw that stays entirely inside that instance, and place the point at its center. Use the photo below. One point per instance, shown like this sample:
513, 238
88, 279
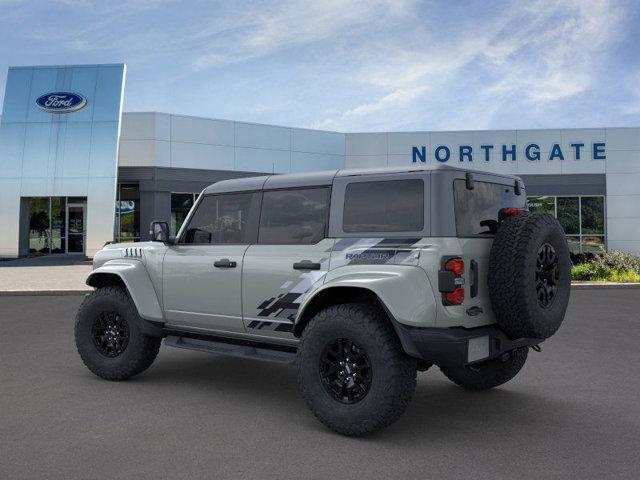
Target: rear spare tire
529, 275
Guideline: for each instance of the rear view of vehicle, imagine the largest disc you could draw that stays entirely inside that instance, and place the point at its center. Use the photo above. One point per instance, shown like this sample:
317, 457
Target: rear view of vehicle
503, 282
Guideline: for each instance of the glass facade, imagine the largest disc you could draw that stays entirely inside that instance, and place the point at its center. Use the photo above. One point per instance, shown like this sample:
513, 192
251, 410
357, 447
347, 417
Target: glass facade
127, 225
57, 225
181, 203
50, 156
581, 217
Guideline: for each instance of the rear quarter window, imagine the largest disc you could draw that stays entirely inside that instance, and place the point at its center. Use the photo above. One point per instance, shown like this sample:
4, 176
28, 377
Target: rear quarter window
477, 210
384, 206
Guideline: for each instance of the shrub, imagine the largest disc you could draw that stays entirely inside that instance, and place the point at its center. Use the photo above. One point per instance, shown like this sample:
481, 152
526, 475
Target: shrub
583, 271
614, 266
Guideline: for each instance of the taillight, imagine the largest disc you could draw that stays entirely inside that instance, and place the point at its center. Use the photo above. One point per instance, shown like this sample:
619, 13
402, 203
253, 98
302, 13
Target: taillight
507, 212
451, 280
513, 211
456, 297
455, 265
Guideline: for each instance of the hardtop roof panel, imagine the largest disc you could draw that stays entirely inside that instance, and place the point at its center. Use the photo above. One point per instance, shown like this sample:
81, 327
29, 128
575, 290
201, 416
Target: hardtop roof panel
311, 179
237, 185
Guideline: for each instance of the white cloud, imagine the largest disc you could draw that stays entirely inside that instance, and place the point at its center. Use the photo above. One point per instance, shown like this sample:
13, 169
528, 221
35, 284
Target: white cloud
398, 98
286, 24
550, 57
349, 64
542, 52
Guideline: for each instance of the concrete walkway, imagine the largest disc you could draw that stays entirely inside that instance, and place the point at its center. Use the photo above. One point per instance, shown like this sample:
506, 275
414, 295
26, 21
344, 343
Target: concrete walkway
44, 276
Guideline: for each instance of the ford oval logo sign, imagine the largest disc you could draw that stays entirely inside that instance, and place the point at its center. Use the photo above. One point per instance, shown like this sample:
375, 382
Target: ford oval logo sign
61, 102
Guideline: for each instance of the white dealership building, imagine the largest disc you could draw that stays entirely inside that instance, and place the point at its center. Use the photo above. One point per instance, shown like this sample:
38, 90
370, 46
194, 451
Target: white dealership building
76, 171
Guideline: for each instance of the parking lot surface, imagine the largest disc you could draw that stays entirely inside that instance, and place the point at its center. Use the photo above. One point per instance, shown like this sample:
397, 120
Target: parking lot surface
573, 412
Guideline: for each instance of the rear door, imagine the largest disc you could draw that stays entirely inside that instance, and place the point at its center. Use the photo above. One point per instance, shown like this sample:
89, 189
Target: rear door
292, 253
476, 222
202, 273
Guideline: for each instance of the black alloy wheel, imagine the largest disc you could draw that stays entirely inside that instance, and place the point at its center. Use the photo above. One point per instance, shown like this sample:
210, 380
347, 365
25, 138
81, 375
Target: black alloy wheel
547, 275
110, 334
345, 371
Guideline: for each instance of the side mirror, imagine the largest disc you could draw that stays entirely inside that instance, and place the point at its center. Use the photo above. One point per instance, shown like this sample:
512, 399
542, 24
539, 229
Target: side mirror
159, 231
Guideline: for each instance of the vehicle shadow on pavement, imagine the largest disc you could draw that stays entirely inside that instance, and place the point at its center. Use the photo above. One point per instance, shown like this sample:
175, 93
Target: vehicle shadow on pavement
440, 410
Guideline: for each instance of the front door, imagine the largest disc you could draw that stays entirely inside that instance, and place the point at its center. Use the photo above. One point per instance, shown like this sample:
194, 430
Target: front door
202, 272
76, 221
292, 254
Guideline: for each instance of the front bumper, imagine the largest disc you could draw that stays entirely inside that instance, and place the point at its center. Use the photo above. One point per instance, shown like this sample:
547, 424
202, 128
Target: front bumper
458, 345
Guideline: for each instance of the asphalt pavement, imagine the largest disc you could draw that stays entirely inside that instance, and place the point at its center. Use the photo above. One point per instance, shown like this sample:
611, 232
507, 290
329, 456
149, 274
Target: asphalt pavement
573, 412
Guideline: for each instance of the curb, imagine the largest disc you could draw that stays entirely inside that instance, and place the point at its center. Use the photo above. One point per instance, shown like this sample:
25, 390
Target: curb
602, 285
42, 293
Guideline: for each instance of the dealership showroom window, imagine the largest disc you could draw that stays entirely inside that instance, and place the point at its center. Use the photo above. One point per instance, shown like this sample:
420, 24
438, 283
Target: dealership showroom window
581, 217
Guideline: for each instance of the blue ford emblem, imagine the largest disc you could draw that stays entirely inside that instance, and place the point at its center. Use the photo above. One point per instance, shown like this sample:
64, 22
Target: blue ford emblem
61, 102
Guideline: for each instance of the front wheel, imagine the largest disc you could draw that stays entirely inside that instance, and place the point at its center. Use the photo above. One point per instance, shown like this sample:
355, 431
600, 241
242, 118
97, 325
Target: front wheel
352, 370
108, 336
490, 373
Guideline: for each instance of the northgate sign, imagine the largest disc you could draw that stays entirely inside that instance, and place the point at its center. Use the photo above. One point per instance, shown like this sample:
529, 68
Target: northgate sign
531, 152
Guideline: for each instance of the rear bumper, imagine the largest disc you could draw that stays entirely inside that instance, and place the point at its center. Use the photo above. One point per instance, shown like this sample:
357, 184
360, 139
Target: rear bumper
458, 346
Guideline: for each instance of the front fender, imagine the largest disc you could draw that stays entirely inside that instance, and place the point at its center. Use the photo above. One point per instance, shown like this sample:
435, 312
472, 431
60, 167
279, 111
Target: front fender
404, 290
136, 278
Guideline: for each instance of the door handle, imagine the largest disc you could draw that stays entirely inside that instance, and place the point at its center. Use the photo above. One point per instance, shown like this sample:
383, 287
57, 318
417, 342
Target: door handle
224, 263
306, 265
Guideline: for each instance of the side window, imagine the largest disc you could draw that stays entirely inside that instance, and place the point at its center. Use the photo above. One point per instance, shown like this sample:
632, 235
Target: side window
221, 219
384, 206
477, 210
295, 216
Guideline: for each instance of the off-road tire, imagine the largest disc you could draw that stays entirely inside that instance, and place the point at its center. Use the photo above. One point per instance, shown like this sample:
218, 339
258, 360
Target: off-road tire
488, 374
140, 350
393, 373
513, 278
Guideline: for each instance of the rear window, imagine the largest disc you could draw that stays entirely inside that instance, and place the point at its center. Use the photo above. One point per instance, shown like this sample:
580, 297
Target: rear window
477, 210
386, 206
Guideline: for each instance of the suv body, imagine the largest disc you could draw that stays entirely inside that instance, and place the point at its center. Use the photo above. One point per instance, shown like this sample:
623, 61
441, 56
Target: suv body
401, 253
265, 288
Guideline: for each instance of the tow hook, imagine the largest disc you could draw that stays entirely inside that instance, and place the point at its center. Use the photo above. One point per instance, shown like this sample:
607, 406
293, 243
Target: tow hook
536, 348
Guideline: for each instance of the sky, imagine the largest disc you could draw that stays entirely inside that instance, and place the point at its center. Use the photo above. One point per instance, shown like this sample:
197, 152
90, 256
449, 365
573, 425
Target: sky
351, 66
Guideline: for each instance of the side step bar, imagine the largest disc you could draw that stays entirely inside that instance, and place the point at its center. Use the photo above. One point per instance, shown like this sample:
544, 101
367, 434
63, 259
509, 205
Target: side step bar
242, 350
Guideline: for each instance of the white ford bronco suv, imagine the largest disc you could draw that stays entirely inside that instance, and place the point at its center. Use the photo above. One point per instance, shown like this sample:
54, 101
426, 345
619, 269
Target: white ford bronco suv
359, 277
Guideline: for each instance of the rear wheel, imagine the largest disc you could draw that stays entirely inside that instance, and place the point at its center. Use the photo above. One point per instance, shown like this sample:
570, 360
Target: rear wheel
488, 374
352, 370
108, 336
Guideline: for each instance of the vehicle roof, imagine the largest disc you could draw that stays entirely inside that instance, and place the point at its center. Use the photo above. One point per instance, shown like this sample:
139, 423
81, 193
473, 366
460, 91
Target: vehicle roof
289, 180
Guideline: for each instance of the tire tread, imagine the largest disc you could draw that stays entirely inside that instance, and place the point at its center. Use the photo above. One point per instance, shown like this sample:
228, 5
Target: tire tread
138, 359
373, 322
